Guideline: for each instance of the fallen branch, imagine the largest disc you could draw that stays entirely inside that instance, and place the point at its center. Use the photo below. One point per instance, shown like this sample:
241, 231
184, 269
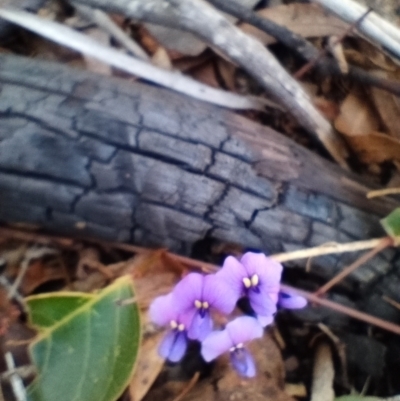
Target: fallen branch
303, 48
174, 80
199, 18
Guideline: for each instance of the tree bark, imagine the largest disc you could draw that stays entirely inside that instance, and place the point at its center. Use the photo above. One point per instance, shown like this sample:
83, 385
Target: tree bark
82, 154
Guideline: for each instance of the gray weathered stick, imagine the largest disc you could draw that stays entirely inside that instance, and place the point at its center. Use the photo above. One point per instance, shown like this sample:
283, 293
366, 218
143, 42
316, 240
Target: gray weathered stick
200, 18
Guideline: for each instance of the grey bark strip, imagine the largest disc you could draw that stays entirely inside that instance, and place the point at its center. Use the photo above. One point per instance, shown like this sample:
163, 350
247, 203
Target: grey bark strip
198, 17
87, 155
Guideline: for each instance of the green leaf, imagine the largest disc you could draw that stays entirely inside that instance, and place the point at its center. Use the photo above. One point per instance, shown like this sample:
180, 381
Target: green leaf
90, 352
391, 223
45, 310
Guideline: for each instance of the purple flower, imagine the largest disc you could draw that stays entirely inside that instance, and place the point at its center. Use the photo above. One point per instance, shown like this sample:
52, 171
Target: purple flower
256, 277
288, 301
232, 339
198, 294
164, 312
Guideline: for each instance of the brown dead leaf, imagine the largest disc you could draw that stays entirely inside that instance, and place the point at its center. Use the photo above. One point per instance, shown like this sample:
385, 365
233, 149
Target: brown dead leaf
307, 20
227, 72
154, 262
328, 108
376, 147
356, 116
359, 123
147, 41
154, 274
377, 57
388, 106
40, 272
90, 272
149, 365
206, 74
8, 312
185, 64
162, 59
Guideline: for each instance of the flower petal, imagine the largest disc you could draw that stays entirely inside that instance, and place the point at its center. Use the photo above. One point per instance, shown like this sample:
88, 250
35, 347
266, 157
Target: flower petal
243, 363
173, 346
268, 270
233, 272
265, 320
215, 344
186, 318
243, 329
201, 327
219, 294
188, 290
162, 310
262, 303
288, 301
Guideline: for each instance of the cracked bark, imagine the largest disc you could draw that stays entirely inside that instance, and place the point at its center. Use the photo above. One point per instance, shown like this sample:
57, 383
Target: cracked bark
93, 156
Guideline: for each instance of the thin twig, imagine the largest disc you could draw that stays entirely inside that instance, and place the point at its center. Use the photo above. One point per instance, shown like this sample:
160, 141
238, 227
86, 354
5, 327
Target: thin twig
391, 301
16, 295
384, 243
189, 386
383, 192
364, 317
30, 255
16, 382
25, 372
307, 67
340, 349
104, 21
328, 250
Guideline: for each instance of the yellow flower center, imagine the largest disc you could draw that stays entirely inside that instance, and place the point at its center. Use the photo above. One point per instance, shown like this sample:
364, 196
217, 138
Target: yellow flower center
201, 305
236, 347
175, 326
252, 281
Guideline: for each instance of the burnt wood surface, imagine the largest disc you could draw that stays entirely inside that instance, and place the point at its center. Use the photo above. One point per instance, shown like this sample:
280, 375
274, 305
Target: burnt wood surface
88, 155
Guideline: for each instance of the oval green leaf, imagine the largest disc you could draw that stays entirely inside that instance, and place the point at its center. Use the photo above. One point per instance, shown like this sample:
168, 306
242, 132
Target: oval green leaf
90, 352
